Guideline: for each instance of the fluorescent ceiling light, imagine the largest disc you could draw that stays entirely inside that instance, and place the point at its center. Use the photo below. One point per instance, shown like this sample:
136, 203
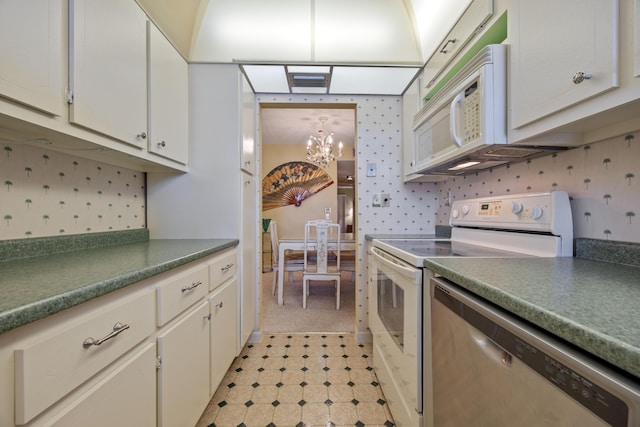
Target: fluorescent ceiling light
371, 80
315, 90
339, 80
267, 78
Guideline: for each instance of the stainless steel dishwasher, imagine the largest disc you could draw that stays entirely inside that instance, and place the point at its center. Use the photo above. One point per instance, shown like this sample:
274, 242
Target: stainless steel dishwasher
491, 369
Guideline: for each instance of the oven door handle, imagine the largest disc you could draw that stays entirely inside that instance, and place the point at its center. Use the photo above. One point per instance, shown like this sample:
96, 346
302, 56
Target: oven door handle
393, 262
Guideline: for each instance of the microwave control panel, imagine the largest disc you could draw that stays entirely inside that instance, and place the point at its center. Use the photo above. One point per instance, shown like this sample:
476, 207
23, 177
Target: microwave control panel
471, 113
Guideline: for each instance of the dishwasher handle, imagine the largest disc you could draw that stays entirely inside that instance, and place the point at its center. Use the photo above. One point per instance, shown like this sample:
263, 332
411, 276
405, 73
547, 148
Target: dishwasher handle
492, 350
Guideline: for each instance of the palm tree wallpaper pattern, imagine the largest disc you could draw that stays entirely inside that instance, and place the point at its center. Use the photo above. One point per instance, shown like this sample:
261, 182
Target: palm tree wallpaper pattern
47, 193
601, 179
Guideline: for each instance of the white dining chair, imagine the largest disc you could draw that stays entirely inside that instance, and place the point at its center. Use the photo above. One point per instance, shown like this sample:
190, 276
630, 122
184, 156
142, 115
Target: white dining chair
294, 261
319, 238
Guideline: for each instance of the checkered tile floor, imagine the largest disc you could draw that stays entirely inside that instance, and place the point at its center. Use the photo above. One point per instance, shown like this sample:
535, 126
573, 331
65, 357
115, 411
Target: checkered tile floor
300, 380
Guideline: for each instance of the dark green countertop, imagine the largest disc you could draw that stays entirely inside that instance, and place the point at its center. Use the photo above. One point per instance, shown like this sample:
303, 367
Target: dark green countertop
592, 304
34, 288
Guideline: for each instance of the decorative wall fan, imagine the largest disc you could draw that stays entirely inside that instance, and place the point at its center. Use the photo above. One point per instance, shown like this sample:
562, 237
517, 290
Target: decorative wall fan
291, 183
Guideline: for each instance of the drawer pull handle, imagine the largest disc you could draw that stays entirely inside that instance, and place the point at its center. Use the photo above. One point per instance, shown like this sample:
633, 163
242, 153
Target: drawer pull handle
219, 305
117, 328
226, 268
192, 286
208, 316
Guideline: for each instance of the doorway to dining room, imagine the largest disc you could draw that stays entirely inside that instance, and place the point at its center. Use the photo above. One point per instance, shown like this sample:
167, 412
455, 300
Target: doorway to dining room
285, 129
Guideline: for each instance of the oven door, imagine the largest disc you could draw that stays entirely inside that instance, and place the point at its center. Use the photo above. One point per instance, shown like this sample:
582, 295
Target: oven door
395, 320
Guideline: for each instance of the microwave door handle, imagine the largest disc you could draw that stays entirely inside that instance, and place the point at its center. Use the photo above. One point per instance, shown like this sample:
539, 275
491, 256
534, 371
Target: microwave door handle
453, 122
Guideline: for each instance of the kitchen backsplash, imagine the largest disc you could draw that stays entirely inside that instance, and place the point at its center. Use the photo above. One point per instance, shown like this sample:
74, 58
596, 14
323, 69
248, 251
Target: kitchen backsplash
602, 180
48, 193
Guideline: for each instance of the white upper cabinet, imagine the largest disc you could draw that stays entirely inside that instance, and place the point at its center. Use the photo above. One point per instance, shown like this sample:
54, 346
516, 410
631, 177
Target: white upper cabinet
563, 52
108, 68
31, 52
470, 23
410, 106
168, 99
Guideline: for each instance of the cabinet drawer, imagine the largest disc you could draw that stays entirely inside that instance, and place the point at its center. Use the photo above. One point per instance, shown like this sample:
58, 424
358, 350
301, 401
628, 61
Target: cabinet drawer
179, 292
222, 268
49, 369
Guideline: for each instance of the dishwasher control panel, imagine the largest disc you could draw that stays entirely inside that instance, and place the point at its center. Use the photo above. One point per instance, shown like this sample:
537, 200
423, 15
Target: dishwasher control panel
580, 388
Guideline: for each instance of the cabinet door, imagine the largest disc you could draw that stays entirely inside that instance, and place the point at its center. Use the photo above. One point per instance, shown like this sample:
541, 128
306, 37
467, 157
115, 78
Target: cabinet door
224, 330
125, 397
248, 128
248, 263
552, 41
410, 106
108, 68
183, 377
168, 99
31, 48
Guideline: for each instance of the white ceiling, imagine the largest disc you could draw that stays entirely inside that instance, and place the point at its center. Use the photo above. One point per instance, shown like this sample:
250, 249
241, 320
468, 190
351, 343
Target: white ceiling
295, 125
396, 37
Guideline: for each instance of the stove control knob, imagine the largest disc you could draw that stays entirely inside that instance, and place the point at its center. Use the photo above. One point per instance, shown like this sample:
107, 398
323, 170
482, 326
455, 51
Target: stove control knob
536, 212
516, 208
455, 213
465, 209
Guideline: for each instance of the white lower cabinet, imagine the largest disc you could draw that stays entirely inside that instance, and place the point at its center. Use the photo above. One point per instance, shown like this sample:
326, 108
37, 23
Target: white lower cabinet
183, 383
224, 330
64, 358
151, 354
125, 397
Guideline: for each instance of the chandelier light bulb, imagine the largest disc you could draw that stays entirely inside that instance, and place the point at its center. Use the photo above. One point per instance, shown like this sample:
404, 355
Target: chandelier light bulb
320, 147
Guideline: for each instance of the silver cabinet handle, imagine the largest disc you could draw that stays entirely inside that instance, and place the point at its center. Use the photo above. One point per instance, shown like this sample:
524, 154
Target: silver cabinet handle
117, 328
444, 48
142, 135
162, 144
226, 268
191, 286
580, 76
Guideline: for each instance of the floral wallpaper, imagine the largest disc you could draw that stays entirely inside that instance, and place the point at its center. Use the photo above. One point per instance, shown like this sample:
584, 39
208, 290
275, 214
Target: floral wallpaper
48, 193
602, 179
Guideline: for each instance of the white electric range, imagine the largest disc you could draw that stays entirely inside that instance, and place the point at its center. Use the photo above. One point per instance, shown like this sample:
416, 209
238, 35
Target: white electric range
515, 225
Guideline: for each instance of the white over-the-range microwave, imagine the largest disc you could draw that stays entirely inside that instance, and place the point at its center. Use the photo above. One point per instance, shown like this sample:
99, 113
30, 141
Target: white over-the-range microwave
463, 128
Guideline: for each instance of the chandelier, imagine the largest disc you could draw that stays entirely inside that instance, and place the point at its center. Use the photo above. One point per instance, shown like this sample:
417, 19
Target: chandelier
320, 147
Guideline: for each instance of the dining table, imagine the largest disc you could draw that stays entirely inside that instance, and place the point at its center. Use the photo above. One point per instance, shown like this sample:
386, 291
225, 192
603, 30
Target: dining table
296, 243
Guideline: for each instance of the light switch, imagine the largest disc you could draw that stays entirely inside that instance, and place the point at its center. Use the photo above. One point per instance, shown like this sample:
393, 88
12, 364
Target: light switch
371, 169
